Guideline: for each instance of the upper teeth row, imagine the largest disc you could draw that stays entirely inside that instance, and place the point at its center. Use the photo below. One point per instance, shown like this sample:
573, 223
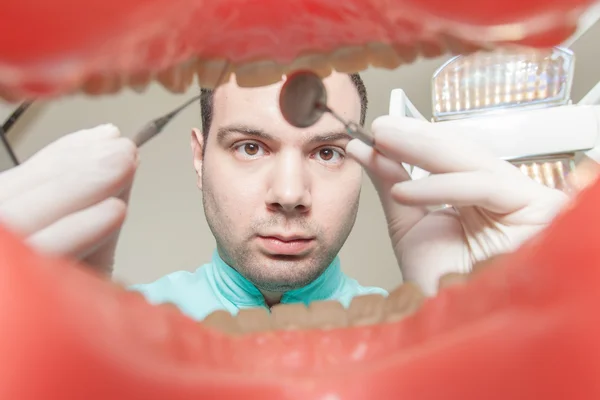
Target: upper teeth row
260, 73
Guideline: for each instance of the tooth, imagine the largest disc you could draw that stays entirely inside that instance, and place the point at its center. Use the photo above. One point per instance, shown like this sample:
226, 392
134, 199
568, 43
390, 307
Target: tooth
8, 95
253, 320
115, 84
102, 84
458, 46
223, 321
317, 63
170, 306
327, 315
407, 53
431, 48
94, 85
366, 310
383, 56
140, 81
349, 59
179, 78
260, 73
402, 302
209, 72
452, 279
485, 264
290, 316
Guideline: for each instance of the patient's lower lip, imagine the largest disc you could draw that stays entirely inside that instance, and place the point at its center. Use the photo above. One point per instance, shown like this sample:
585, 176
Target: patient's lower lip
276, 246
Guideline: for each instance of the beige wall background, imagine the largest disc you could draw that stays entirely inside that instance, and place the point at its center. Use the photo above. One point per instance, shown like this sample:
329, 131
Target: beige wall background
166, 230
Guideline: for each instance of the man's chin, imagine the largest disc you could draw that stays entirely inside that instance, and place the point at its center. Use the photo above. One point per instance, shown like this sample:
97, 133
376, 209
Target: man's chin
283, 272
285, 264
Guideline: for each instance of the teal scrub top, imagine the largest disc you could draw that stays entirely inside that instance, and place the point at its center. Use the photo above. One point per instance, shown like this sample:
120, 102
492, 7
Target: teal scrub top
217, 286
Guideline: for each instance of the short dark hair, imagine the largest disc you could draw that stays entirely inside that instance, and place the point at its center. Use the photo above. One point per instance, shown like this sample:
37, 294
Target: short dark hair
206, 103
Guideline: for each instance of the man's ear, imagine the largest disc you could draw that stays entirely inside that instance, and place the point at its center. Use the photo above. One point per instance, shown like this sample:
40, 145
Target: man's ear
197, 142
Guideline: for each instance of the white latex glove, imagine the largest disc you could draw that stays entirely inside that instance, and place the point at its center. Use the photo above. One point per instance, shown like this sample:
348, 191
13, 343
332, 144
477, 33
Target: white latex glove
70, 198
495, 206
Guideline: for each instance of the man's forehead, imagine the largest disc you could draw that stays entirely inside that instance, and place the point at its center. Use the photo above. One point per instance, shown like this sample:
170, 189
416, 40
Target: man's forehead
339, 86
232, 92
259, 106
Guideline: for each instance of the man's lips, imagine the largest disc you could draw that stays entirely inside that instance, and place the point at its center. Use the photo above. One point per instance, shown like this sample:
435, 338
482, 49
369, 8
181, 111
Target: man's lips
286, 245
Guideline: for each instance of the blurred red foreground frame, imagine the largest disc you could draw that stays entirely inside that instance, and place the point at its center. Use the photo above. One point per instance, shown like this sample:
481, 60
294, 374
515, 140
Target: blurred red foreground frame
51, 46
527, 328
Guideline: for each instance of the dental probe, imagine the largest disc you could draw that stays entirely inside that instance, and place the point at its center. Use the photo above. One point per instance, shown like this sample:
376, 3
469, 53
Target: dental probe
7, 125
303, 101
154, 127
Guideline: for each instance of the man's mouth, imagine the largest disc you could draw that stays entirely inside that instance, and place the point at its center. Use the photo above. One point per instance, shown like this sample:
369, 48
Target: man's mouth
286, 245
110, 45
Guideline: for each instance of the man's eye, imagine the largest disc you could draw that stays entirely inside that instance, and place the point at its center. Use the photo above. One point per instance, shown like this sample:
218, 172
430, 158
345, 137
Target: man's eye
329, 155
249, 150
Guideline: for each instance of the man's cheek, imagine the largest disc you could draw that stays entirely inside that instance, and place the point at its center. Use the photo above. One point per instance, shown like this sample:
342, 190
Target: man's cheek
242, 200
338, 194
332, 209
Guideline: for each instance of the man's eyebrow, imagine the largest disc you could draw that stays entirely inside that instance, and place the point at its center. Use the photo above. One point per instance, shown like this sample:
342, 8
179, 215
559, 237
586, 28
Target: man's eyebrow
330, 137
244, 130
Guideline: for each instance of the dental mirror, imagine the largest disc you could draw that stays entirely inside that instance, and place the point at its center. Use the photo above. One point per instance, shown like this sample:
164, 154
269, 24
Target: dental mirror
300, 97
303, 100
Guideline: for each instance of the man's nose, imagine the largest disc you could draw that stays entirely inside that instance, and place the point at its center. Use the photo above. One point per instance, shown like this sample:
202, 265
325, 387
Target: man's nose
289, 189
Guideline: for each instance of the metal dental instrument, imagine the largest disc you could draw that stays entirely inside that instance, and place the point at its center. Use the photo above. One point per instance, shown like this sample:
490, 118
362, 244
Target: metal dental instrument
154, 127
7, 125
303, 100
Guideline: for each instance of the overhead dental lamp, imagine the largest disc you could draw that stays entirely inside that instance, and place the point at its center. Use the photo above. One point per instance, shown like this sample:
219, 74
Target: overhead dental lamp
516, 102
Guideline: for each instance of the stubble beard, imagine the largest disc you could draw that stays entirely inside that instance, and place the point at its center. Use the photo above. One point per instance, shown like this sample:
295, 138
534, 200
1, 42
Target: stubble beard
267, 273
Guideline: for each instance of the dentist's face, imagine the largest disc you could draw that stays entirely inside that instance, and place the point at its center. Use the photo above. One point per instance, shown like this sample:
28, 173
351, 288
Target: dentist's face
280, 201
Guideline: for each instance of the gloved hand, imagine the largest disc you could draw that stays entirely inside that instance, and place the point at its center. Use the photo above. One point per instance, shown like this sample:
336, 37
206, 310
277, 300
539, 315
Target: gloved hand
494, 206
70, 198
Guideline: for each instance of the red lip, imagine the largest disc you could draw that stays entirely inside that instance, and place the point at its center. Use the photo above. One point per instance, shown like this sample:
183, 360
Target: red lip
286, 245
